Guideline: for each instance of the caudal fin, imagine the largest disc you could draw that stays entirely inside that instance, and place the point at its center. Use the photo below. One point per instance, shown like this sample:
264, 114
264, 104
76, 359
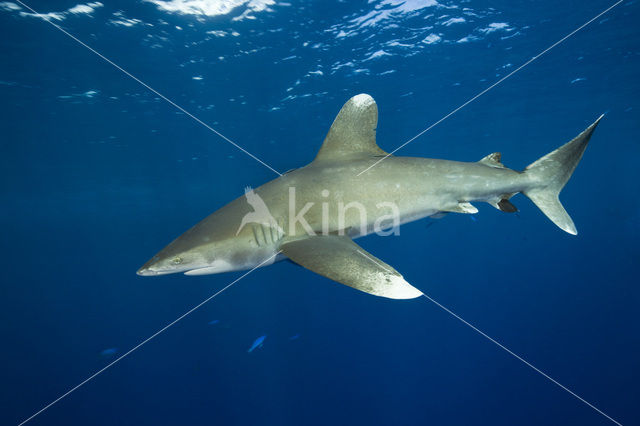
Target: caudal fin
549, 175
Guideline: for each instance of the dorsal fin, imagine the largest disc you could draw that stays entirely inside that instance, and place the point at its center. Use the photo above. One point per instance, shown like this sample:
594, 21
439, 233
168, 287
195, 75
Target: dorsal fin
353, 132
493, 160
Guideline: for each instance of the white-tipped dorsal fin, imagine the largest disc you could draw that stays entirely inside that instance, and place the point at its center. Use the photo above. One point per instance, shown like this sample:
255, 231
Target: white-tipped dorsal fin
493, 160
353, 132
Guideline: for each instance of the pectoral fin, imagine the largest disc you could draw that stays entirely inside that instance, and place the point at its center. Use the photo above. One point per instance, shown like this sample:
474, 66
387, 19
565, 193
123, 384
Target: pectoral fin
340, 259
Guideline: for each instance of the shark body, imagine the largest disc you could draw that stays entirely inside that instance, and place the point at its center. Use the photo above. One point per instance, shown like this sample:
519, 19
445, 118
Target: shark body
311, 215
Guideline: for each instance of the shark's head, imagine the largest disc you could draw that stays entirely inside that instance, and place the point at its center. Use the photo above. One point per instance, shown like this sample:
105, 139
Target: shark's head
171, 261
193, 258
210, 247
177, 257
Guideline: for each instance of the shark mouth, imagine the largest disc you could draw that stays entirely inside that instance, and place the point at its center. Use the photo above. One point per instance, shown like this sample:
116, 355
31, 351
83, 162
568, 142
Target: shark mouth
147, 272
216, 267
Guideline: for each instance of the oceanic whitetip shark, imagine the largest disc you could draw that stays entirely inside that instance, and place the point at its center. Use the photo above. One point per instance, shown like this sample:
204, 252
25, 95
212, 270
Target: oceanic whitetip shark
312, 214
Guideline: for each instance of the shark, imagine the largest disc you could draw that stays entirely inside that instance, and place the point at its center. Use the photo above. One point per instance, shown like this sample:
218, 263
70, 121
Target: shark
313, 214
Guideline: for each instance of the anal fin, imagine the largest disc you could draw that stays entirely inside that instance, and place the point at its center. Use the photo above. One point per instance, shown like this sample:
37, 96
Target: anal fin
503, 204
506, 206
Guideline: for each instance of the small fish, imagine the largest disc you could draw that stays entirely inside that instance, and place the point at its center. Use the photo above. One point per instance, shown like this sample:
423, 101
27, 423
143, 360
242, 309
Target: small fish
257, 343
473, 218
109, 352
294, 337
214, 322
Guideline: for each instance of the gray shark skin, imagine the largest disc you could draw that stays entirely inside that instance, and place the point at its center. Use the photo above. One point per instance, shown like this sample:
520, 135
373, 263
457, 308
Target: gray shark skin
315, 212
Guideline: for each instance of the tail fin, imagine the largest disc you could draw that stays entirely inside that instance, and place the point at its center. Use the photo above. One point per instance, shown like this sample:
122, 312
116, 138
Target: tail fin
550, 174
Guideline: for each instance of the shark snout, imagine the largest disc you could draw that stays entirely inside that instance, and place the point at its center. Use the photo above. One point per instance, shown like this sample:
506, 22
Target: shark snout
163, 264
149, 272
145, 272
148, 268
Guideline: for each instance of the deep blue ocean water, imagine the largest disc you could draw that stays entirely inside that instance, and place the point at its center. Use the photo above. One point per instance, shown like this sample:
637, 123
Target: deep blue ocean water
98, 174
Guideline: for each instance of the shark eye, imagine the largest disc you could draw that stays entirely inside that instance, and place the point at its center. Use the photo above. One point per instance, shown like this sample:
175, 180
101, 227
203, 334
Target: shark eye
177, 260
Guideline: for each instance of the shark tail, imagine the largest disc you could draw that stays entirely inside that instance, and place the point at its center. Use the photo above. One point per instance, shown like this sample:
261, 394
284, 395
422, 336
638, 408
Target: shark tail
550, 174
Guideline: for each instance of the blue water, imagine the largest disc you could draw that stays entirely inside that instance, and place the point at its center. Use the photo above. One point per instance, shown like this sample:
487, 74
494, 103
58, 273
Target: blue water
98, 174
